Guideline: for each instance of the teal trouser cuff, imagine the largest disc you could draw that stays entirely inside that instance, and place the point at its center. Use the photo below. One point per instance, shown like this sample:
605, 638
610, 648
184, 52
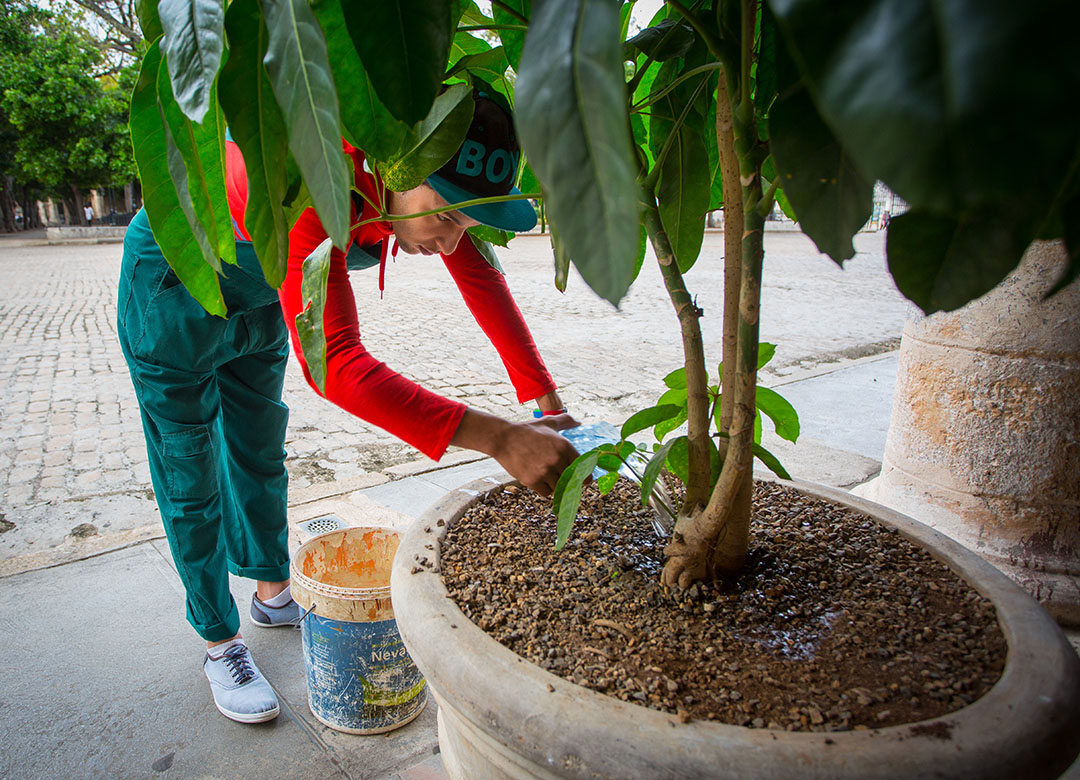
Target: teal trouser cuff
278, 573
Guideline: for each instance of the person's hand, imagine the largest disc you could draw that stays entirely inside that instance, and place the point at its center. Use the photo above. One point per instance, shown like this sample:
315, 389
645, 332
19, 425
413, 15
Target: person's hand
532, 452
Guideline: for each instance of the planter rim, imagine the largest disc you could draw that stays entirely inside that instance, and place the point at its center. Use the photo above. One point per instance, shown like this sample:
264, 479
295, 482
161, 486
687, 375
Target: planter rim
1029, 718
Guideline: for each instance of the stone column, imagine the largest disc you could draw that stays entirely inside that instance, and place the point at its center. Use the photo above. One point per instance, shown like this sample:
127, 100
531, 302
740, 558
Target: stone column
984, 439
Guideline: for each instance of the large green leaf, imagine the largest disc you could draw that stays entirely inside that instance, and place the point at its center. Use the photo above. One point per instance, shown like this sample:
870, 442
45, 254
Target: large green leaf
149, 21
487, 251
179, 234
512, 40
780, 411
465, 45
942, 262
365, 122
309, 322
201, 147
571, 116
193, 43
567, 495
652, 472
296, 59
647, 418
403, 45
955, 105
562, 260
258, 128
684, 189
433, 141
669, 39
770, 460
488, 66
832, 198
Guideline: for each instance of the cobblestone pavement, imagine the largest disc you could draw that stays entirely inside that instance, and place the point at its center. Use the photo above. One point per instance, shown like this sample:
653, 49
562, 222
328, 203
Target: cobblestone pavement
72, 459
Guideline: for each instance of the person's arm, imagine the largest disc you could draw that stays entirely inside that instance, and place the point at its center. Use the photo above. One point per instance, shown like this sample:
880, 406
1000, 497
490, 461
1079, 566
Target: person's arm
532, 452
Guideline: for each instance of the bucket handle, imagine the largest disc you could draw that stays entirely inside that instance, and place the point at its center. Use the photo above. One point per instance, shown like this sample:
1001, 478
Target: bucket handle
307, 612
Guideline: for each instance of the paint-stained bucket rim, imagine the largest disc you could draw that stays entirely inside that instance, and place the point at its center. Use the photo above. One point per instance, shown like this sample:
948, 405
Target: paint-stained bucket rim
336, 591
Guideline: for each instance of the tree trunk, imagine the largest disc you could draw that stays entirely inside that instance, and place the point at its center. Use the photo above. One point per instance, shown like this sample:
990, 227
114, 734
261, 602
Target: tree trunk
697, 400
716, 540
77, 201
7, 203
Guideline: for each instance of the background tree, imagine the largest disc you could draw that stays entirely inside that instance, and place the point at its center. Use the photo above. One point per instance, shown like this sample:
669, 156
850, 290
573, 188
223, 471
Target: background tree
70, 125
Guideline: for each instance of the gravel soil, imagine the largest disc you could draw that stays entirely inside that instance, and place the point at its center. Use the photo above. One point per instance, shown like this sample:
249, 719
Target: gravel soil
835, 623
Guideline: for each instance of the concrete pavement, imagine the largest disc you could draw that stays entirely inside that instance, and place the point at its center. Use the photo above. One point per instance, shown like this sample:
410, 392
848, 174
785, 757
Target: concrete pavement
102, 672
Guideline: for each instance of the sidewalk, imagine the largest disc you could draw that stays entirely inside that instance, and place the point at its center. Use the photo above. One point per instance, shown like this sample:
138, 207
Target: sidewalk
102, 674
107, 679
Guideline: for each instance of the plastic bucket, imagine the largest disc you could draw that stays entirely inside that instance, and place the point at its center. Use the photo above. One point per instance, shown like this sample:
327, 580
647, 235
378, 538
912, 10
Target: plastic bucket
360, 680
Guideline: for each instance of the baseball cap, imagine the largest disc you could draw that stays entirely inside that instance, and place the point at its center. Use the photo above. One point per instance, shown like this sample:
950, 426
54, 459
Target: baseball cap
485, 166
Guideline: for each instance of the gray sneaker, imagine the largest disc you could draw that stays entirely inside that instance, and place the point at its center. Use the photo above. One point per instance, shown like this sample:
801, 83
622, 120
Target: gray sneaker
272, 617
240, 691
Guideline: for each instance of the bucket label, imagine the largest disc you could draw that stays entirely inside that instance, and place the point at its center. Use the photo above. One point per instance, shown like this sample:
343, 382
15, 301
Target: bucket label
359, 675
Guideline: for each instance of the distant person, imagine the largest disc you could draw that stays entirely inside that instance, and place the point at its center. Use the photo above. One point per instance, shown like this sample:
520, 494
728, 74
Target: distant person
88, 212
209, 388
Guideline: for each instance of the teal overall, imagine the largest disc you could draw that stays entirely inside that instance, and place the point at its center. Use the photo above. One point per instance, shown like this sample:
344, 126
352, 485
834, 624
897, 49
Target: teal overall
209, 390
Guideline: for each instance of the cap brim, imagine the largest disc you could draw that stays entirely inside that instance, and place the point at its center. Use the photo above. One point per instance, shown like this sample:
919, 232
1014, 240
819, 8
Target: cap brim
515, 216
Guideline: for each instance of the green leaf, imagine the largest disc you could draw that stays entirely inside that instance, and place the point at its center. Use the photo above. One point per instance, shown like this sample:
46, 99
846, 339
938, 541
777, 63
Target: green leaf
168, 206
770, 460
487, 251
567, 496
684, 189
607, 482
513, 40
149, 21
259, 130
666, 41
647, 418
404, 46
577, 137
833, 200
764, 355
676, 380
780, 411
194, 39
945, 118
296, 60
562, 260
491, 235
434, 140
941, 263
466, 44
663, 429
365, 122
309, 322
765, 77
202, 165
490, 68
473, 16
678, 459
652, 472
757, 426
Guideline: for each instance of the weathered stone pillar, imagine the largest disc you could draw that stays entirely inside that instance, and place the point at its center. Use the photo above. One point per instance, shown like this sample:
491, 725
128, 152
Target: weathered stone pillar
984, 439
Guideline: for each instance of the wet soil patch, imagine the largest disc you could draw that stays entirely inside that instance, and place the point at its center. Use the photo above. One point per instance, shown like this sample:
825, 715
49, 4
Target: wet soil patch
836, 622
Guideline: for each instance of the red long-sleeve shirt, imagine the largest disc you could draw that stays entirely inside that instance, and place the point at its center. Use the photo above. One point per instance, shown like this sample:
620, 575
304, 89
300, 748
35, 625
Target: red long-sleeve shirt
355, 380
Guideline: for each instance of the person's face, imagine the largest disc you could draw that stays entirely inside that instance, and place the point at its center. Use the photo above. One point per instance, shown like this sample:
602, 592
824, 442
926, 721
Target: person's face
433, 234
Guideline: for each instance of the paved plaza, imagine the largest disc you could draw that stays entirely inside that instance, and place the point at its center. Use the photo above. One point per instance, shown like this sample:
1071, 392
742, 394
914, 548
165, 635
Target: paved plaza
73, 471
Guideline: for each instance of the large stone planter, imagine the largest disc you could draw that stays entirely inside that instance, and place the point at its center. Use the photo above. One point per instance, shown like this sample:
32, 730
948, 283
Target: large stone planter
984, 439
502, 717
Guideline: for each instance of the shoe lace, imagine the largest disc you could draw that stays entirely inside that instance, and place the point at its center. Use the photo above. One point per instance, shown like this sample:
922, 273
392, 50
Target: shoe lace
239, 664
